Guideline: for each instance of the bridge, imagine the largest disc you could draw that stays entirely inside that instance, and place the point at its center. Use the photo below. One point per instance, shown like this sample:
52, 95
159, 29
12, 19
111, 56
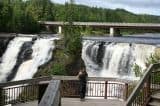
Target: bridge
114, 28
63, 91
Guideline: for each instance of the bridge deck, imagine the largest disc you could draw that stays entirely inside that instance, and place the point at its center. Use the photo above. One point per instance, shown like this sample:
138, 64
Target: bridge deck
77, 102
105, 24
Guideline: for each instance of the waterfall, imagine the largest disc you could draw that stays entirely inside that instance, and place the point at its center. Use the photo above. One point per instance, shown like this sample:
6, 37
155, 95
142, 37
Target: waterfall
89, 51
42, 53
10, 56
118, 58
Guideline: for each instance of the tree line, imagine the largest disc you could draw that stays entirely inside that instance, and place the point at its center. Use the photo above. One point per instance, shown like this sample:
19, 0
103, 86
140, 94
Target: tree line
22, 16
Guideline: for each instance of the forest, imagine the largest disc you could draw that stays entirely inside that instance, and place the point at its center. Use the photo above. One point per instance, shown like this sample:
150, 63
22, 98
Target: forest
22, 16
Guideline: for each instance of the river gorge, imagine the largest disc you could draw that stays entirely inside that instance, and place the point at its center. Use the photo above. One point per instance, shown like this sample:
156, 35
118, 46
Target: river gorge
22, 56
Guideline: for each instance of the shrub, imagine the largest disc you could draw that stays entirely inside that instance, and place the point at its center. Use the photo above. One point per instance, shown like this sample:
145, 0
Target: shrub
58, 69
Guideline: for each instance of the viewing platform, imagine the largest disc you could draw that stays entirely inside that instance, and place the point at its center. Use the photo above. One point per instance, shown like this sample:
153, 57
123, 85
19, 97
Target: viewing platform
64, 91
77, 102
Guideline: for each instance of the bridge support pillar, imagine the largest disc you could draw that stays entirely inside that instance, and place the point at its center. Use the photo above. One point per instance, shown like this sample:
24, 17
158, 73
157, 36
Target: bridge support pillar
113, 32
59, 29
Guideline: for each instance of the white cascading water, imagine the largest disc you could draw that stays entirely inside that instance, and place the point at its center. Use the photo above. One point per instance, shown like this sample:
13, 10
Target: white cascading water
91, 67
10, 56
117, 62
118, 59
42, 53
141, 53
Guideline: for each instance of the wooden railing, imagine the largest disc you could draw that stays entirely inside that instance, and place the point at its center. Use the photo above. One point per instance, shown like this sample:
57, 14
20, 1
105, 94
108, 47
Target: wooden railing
149, 83
37, 89
21, 91
107, 88
52, 96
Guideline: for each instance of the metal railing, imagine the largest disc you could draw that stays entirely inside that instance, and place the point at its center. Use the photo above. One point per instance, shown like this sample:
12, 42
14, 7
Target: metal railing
34, 89
107, 88
149, 83
52, 96
20, 91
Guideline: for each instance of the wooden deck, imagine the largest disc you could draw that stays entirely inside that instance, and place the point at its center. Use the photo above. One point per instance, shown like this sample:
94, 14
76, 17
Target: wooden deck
91, 102
77, 102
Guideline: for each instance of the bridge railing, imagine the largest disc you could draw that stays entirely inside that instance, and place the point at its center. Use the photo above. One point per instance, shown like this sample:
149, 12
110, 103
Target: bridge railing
149, 83
34, 89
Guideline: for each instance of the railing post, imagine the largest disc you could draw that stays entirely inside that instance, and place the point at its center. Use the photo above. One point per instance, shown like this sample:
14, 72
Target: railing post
1, 97
148, 84
60, 97
52, 94
125, 92
106, 85
41, 91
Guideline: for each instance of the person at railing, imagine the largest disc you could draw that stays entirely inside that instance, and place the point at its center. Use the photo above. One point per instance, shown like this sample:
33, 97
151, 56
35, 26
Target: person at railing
82, 76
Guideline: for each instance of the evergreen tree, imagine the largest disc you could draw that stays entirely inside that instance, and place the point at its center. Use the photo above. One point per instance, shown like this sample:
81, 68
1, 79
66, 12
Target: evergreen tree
72, 37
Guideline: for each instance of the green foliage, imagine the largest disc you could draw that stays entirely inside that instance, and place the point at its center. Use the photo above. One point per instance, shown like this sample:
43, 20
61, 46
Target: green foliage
72, 42
72, 36
138, 70
21, 16
154, 58
58, 69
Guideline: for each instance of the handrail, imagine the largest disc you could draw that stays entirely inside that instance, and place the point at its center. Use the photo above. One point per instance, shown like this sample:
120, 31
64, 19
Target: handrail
38, 87
52, 95
139, 85
92, 79
28, 81
48, 78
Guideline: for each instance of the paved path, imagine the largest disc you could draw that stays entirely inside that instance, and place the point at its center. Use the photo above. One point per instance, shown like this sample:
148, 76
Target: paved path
77, 102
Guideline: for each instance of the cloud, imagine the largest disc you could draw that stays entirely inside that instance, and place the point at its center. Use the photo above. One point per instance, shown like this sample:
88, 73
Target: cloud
136, 6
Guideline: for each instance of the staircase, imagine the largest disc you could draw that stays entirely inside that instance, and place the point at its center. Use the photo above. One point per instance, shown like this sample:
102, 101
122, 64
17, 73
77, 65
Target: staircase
155, 99
147, 91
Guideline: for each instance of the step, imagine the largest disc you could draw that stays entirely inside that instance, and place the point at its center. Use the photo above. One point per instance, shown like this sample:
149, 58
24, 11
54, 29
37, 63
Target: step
154, 103
156, 96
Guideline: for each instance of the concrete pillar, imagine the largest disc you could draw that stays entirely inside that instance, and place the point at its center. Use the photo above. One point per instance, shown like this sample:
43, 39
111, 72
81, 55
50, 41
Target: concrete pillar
113, 32
59, 29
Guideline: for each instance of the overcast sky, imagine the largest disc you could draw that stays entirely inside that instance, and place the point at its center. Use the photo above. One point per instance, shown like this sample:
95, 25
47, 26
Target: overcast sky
136, 6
